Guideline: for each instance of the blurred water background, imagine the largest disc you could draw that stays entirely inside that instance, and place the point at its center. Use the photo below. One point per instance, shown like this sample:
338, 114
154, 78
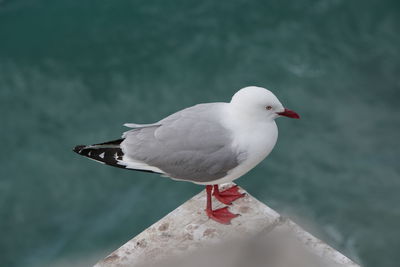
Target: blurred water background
72, 72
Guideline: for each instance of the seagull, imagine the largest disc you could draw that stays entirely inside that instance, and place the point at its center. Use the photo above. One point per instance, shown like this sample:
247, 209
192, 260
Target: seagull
207, 144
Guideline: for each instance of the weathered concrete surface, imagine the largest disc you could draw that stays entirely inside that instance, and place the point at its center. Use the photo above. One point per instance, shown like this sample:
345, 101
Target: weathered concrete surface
187, 229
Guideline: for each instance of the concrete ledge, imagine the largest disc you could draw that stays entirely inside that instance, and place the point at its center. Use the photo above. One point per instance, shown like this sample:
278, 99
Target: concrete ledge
187, 229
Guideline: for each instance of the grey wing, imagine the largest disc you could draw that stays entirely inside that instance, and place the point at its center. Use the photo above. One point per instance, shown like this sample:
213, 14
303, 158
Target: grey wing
189, 145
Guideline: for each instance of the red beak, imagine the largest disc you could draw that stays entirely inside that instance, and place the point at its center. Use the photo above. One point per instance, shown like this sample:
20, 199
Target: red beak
289, 113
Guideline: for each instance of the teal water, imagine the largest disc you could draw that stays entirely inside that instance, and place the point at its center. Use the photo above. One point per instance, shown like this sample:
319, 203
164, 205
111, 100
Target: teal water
73, 72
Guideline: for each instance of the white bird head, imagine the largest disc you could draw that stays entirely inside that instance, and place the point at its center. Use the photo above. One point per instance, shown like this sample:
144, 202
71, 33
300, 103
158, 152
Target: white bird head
260, 102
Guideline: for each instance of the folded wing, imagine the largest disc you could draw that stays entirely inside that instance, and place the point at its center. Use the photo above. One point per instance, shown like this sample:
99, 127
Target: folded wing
189, 145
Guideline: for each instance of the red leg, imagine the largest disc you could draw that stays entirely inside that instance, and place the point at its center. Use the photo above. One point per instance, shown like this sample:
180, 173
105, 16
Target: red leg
228, 195
222, 215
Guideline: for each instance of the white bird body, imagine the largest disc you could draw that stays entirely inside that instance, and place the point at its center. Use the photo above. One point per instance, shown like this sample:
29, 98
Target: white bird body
206, 144
254, 141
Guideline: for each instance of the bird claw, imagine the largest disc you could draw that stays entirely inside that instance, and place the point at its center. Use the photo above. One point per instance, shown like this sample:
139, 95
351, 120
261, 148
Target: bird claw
229, 195
222, 215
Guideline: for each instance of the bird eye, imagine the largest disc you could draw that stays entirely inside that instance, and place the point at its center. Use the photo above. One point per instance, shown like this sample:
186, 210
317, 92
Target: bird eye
268, 107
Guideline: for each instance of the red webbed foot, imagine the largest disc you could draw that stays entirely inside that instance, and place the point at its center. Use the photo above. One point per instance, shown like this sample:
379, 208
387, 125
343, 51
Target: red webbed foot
222, 215
228, 195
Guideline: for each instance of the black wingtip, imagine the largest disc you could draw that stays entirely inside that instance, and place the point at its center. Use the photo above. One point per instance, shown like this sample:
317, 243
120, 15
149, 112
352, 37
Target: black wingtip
78, 148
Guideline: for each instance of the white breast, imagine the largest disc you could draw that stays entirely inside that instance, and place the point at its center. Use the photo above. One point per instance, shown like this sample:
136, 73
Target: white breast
254, 140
